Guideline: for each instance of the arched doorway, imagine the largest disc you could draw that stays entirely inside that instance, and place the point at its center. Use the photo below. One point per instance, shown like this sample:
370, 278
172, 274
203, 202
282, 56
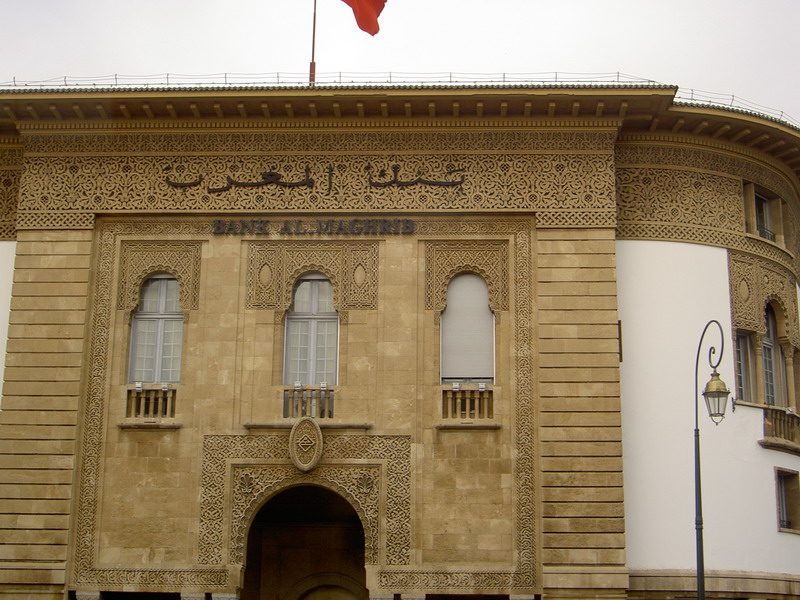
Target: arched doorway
306, 543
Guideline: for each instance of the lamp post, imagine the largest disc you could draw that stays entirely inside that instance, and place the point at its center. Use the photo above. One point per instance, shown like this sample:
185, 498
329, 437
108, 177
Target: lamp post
715, 394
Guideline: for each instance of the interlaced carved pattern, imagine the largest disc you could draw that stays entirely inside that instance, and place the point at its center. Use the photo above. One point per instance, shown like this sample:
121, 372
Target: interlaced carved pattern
254, 485
575, 218
318, 141
91, 469
10, 170
664, 190
394, 452
55, 220
140, 260
523, 171
273, 269
445, 260
754, 282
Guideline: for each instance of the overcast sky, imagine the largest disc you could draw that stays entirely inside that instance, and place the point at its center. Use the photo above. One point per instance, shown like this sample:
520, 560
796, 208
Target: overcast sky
747, 48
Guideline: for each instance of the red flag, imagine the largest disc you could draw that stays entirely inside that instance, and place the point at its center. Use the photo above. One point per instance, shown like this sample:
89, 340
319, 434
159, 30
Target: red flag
367, 12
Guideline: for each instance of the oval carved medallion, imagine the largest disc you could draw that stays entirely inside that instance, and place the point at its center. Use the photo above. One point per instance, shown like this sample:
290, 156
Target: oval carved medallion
305, 444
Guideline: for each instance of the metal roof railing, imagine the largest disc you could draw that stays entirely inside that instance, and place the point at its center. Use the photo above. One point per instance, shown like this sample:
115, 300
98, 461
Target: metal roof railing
395, 79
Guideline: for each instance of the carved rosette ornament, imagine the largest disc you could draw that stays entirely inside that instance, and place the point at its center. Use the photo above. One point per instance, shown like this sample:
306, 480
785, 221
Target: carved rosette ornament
305, 444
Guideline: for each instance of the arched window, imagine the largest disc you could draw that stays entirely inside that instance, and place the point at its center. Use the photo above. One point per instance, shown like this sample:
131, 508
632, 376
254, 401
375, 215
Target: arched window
312, 334
774, 363
467, 332
157, 333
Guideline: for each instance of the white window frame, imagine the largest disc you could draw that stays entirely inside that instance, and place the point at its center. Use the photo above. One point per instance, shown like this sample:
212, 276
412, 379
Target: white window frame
774, 363
318, 324
787, 484
167, 312
744, 367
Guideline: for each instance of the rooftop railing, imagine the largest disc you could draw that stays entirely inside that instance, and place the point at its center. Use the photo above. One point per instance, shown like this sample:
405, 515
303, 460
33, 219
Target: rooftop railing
392, 78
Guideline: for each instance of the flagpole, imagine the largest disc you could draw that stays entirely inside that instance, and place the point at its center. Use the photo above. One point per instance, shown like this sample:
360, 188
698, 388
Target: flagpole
312, 68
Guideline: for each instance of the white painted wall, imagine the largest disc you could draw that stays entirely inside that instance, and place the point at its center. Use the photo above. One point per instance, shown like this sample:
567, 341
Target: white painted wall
7, 253
667, 293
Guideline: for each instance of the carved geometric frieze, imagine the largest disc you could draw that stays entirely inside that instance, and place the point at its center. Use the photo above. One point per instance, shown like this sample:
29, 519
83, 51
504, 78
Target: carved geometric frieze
226, 142
445, 260
753, 283
10, 171
324, 172
665, 195
348, 468
55, 220
665, 153
575, 218
669, 192
139, 260
273, 269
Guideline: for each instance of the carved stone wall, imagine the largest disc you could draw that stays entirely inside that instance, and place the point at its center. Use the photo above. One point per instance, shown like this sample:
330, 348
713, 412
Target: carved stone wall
85, 568
377, 472
693, 194
194, 171
445, 260
140, 260
753, 283
10, 171
372, 472
273, 269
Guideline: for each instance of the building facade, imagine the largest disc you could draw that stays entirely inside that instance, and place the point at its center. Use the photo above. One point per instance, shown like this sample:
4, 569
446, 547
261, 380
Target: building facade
317, 343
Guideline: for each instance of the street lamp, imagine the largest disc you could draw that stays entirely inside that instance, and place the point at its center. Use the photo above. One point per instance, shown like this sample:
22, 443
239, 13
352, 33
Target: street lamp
716, 395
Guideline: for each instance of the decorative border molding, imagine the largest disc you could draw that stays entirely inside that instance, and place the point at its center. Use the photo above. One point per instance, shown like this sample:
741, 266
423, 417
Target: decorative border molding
55, 220
274, 266
754, 282
669, 192
94, 415
527, 575
383, 450
365, 485
506, 140
445, 260
141, 259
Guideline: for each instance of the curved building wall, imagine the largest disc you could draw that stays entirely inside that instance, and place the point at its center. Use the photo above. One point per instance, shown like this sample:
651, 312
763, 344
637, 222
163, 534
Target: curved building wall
667, 293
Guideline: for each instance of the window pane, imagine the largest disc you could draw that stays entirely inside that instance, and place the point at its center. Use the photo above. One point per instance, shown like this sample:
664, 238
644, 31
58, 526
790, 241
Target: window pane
144, 350
157, 333
324, 297
325, 363
171, 296
311, 351
149, 297
302, 297
171, 350
297, 352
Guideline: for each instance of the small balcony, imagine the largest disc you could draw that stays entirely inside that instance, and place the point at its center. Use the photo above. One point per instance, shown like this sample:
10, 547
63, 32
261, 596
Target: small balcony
308, 401
150, 406
468, 402
781, 429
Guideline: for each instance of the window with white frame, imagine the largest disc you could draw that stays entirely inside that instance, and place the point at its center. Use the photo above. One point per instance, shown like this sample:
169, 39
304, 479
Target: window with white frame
467, 332
157, 333
744, 368
312, 334
774, 364
788, 491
